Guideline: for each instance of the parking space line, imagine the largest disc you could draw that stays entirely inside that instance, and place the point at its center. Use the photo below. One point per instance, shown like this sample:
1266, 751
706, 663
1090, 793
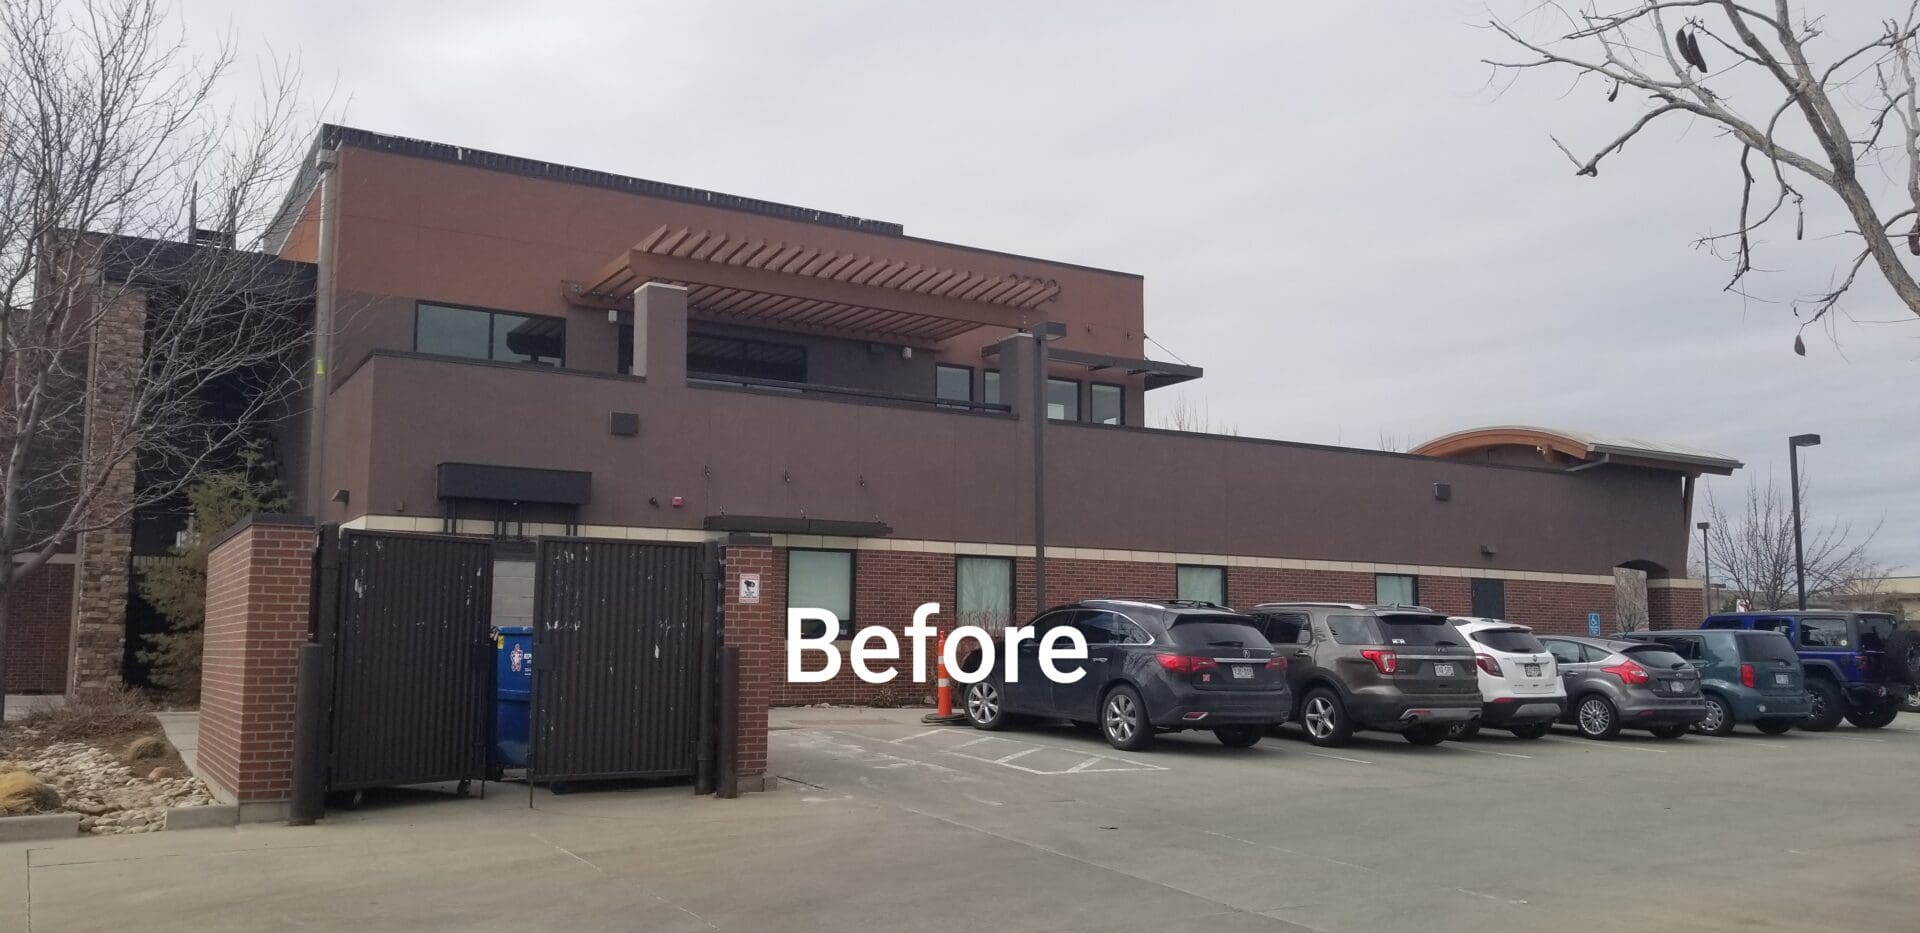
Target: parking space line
1116, 763
1589, 743
1487, 751
1082, 766
1339, 758
917, 735
1856, 738
972, 742
1018, 754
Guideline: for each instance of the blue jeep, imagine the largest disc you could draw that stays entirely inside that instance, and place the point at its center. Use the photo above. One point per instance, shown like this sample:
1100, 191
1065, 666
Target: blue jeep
1858, 665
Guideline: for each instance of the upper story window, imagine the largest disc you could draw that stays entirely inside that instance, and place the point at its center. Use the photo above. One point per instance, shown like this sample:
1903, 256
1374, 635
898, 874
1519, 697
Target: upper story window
990, 387
490, 335
953, 383
1063, 399
711, 355
1108, 403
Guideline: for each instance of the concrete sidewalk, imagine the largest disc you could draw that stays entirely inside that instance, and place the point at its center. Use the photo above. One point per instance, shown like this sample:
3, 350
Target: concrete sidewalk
183, 730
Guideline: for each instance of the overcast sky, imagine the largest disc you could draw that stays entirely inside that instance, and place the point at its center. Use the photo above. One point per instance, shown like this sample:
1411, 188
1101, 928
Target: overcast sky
1336, 215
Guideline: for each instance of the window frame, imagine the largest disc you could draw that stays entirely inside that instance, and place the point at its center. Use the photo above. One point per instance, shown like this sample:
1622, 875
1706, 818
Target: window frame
1092, 388
1223, 580
1413, 588
492, 315
937, 367
847, 628
997, 389
1078, 391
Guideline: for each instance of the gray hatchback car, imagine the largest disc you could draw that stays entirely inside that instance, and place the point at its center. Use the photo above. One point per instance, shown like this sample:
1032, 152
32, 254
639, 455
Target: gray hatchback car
1614, 684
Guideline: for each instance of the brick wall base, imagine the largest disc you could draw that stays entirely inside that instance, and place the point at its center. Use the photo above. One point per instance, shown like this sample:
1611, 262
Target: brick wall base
259, 584
39, 630
888, 585
755, 628
1676, 607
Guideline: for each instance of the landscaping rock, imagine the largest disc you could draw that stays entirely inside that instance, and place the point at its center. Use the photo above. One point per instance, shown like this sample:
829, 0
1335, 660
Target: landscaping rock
108, 796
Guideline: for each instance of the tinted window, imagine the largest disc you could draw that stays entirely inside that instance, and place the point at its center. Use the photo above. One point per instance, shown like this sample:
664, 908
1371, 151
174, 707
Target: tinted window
1768, 647
954, 383
1063, 399
1824, 633
1418, 631
1687, 648
1724, 623
1101, 628
1052, 620
1565, 652
1353, 630
1107, 407
1656, 656
1516, 640
1134, 634
746, 359
453, 332
990, 387
1203, 632
1284, 629
1875, 632
521, 338
1783, 626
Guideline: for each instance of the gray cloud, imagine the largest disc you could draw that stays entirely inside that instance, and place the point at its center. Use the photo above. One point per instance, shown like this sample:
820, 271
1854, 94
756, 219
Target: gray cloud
1335, 214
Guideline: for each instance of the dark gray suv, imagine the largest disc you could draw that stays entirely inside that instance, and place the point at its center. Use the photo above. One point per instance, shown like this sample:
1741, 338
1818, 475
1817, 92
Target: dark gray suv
1614, 684
1398, 669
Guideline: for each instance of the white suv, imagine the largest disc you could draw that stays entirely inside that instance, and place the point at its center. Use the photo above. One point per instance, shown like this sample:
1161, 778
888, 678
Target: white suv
1519, 682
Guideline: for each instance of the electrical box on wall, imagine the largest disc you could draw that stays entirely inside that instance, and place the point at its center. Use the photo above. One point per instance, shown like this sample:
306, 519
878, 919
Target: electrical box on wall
623, 424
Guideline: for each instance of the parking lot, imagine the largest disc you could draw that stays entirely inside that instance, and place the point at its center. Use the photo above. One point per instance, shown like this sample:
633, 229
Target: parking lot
885, 823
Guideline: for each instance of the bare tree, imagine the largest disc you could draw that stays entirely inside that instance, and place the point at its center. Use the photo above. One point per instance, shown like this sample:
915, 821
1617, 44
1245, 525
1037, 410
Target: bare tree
130, 362
1797, 124
1188, 415
1752, 550
1629, 600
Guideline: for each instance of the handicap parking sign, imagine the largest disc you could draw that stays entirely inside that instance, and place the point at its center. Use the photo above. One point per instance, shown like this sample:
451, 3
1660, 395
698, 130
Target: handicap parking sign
1593, 623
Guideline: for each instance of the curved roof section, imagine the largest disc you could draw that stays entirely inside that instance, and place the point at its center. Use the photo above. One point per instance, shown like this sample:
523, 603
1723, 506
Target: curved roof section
1589, 448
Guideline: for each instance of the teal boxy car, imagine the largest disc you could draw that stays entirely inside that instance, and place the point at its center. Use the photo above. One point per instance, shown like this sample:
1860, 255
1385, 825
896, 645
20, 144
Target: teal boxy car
1746, 676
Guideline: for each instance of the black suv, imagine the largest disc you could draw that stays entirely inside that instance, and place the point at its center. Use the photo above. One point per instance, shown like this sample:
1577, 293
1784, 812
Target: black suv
1399, 669
1858, 665
1152, 666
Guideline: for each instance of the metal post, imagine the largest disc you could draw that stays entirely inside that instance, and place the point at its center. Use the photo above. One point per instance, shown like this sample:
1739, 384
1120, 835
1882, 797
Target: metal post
729, 723
1706, 565
1799, 559
327, 161
1039, 472
309, 738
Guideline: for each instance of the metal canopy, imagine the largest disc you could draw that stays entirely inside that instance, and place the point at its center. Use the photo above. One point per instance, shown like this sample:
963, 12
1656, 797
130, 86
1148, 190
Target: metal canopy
1159, 374
745, 280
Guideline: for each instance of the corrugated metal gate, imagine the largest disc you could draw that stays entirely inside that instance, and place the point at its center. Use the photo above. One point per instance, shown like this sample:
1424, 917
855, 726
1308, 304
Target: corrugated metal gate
411, 672
624, 642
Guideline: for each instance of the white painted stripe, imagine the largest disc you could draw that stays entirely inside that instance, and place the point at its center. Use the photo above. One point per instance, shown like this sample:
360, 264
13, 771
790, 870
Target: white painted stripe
1339, 758
1594, 743
1082, 766
1019, 754
917, 735
1486, 751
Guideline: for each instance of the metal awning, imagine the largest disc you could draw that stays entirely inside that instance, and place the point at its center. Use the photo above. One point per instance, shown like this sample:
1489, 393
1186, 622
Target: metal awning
1159, 374
745, 280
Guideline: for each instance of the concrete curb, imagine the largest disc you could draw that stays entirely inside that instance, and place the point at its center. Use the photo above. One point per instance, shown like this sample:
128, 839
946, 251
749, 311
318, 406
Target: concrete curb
39, 827
212, 816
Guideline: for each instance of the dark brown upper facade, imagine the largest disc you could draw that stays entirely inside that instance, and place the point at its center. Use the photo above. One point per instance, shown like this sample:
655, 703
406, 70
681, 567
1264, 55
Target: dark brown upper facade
791, 366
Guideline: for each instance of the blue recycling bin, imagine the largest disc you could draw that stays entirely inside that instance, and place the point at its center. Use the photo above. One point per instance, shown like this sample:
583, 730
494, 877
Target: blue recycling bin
512, 695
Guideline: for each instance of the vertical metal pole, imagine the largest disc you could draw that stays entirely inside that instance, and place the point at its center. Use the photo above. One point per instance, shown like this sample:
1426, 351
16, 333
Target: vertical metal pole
712, 578
729, 723
309, 743
1706, 568
327, 161
1799, 560
1039, 474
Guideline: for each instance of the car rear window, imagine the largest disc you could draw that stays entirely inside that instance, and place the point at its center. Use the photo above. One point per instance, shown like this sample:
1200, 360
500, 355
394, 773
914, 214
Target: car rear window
1723, 623
1656, 656
1202, 632
1771, 646
1517, 640
1419, 630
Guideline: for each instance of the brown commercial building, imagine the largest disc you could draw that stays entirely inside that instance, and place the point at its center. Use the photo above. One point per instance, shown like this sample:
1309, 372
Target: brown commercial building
524, 349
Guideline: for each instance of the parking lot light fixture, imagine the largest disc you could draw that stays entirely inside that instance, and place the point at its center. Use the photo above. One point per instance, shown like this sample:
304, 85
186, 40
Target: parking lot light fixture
1794, 444
1706, 566
1043, 333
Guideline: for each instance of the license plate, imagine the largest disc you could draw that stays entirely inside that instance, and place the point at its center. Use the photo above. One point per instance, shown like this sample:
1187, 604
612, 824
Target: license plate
1533, 670
1242, 672
1783, 680
1678, 686
1443, 669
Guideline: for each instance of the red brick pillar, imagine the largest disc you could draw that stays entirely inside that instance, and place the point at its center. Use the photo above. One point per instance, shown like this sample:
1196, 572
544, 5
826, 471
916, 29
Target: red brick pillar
756, 628
259, 581
1675, 603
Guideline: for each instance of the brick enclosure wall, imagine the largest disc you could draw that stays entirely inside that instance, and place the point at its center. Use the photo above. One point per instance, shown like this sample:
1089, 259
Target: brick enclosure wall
1676, 607
755, 629
39, 625
259, 582
888, 585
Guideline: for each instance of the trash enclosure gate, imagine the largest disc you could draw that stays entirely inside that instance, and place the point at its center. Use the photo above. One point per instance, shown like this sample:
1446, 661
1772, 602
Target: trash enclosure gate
624, 653
623, 659
410, 670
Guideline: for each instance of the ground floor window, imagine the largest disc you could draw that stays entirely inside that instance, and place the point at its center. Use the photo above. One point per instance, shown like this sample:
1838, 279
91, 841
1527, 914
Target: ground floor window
1396, 589
821, 580
983, 592
1202, 583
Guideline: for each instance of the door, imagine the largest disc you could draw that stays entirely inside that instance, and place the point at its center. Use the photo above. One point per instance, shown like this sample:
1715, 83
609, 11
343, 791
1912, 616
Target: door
1489, 598
1105, 633
1574, 660
1291, 634
1032, 692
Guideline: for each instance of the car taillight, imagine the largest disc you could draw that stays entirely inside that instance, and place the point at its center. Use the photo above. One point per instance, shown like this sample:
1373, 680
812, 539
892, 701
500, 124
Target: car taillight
1628, 672
1186, 663
1488, 664
1385, 660
1746, 675
1277, 664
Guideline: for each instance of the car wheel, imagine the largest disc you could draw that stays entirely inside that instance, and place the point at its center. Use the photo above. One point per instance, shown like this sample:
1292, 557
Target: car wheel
1325, 719
1531, 730
1668, 732
1425, 735
1462, 731
1239, 736
1719, 719
1874, 717
986, 706
1913, 701
1828, 706
1596, 717
1123, 720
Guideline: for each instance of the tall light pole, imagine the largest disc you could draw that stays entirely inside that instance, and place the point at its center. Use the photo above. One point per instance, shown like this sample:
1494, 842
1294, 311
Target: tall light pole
1706, 565
1043, 333
1794, 444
